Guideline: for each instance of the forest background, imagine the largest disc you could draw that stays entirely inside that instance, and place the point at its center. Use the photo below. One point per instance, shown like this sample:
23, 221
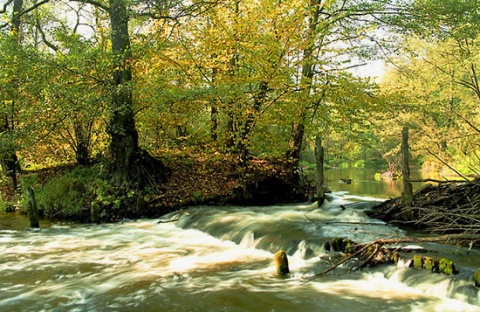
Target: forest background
133, 91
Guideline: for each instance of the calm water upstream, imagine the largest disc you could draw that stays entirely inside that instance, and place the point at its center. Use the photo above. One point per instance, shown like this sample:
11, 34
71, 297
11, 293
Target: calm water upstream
220, 259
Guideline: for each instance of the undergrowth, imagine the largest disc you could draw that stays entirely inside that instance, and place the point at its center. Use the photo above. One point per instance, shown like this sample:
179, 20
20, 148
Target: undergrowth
68, 195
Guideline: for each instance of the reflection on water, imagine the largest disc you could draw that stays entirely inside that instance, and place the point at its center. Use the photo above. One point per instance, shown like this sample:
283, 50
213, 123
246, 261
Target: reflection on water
219, 259
364, 183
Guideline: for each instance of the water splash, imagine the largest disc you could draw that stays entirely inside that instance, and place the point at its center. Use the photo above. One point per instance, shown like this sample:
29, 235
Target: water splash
214, 258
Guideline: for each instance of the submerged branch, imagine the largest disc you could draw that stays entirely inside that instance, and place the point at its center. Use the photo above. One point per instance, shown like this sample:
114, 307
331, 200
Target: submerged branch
376, 252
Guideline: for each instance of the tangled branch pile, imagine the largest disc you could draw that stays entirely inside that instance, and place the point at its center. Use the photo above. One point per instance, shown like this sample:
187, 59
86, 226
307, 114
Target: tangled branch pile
445, 208
388, 251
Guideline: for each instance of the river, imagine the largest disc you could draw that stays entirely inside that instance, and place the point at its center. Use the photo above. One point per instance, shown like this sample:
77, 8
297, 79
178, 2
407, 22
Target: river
221, 259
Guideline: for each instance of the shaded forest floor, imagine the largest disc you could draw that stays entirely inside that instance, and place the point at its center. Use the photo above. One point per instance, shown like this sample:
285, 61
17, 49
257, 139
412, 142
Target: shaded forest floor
198, 180
193, 179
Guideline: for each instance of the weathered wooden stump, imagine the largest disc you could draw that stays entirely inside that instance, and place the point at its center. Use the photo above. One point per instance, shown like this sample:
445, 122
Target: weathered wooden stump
340, 244
140, 205
447, 267
429, 264
476, 278
95, 212
418, 261
281, 262
32, 209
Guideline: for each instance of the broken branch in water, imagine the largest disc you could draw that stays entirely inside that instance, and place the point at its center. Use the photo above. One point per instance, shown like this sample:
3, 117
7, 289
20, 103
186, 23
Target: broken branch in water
376, 252
444, 208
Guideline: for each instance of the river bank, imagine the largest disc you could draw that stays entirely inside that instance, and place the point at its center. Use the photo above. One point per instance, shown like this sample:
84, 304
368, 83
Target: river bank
67, 192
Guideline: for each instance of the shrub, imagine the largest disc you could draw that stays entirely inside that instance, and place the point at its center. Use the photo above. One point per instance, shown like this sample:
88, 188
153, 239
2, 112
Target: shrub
69, 195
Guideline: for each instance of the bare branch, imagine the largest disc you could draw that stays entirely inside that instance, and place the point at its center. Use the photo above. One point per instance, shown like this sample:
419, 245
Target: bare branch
443, 162
4, 8
44, 38
94, 3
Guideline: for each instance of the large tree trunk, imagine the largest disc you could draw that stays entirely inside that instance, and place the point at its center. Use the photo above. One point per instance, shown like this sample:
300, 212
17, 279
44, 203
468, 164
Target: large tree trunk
249, 123
124, 136
82, 142
130, 163
296, 142
214, 124
298, 127
9, 159
407, 194
319, 160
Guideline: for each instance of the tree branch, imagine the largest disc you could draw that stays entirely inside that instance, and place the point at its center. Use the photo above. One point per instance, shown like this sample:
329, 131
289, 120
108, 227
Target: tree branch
94, 3
44, 38
4, 8
20, 14
443, 162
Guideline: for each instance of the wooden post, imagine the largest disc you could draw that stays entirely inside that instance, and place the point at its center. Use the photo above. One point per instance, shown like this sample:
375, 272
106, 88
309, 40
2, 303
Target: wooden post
407, 195
32, 209
140, 205
319, 158
281, 262
94, 212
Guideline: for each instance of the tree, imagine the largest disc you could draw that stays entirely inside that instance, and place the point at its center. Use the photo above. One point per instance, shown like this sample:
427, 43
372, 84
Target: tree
8, 156
331, 28
233, 58
437, 74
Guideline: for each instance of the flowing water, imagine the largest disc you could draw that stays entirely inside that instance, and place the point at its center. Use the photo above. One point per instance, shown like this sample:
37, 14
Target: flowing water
220, 259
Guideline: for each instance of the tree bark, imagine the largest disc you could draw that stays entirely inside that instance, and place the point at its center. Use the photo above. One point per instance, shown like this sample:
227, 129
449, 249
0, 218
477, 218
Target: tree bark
82, 143
296, 142
213, 124
9, 159
124, 136
407, 195
319, 157
32, 209
298, 127
250, 120
132, 167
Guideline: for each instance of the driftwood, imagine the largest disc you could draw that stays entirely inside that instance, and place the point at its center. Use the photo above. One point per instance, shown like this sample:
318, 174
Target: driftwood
444, 208
381, 251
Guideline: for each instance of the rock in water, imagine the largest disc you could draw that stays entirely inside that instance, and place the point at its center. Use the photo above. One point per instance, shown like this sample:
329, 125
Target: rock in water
281, 262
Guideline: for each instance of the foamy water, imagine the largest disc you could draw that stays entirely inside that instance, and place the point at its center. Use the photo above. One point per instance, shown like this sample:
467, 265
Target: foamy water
214, 259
